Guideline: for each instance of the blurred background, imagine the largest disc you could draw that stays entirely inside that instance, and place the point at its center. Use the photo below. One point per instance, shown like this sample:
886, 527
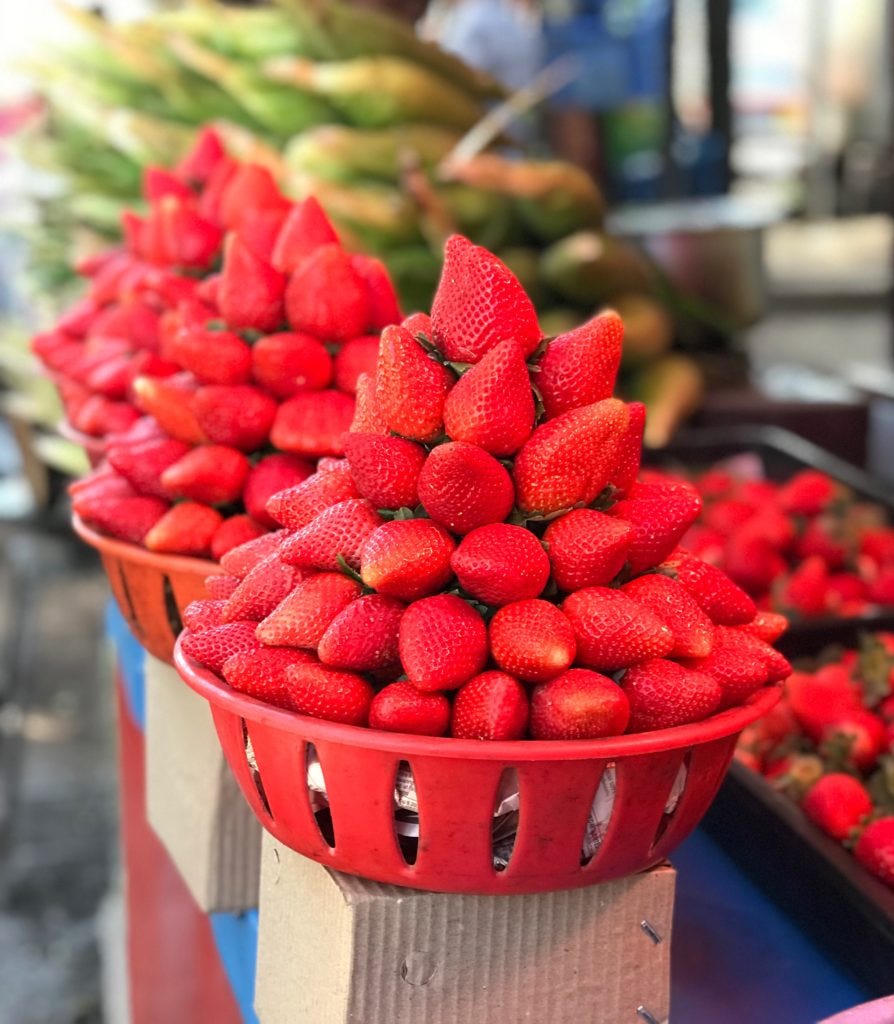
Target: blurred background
718, 170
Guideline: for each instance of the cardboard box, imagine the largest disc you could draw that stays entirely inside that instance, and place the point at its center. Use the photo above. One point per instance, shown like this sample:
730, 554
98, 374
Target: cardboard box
334, 949
192, 800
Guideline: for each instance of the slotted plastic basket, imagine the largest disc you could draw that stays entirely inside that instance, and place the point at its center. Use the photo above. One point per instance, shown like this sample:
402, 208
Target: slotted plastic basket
457, 783
151, 590
94, 447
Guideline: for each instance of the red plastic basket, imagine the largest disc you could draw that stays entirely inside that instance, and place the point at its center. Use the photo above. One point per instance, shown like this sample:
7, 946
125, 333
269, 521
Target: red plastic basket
151, 589
94, 447
457, 782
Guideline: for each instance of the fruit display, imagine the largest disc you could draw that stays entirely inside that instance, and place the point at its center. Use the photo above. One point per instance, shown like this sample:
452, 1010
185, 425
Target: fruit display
483, 562
829, 745
216, 355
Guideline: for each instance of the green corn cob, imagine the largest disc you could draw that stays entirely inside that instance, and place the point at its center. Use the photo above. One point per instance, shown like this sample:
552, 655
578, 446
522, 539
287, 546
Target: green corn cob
251, 34
376, 92
589, 268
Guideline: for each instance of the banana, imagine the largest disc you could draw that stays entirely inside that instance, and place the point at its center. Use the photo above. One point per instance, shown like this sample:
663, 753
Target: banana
672, 388
590, 268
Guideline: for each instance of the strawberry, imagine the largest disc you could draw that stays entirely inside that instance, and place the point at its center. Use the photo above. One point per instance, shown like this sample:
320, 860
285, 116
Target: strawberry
578, 705
878, 544
210, 201
659, 515
260, 231
384, 306
305, 229
212, 647
804, 592
313, 423
767, 626
288, 362
98, 416
262, 673
808, 493
128, 518
189, 240
479, 303
211, 473
881, 590
321, 692
198, 164
269, 476
817, 699
143, 463
837, 803
612, 631
300, 619
400, 707
725, 603
297, 506
569, 460
407, 559
250, 294
673, 604
490, 706
169, 401
337, 535
586, 548
385, 469
463, 487
418, 324
221, 586
368, 418
630, 450
411, 387
740, 663
326, 297
240, 416
859, 736
158, 183
232, 532
185, 529
580, 367
199, 615
532, 640
442, 642
240, 561
364, 636
752, 561
491, 404
262, 589
663, 694
825, 537
875, 848
357, 355
500, 563
250, 189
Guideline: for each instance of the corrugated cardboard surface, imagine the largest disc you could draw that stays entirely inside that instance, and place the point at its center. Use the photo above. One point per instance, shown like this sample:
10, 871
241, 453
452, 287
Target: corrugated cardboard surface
192, 800
334, 949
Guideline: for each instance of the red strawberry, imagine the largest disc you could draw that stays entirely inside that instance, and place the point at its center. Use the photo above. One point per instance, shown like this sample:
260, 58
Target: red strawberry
338, 533
411, 386
269, 476
364, 636
739, 662
158, 183
98, 416
262, 673
212, 647
407, 559
820, 698
805, 591
490, 706
185, 529
143, 463
368, 418
384, 307
673, 604
288, 362
659, 514
305, 229
630, 450
586, 548
300, 505
860, 736
250, 294
128, 518
767, 626
326, 297
250, 189
751, 561
664, 693
463, 487
807, 493
725, 603
199, 615
189, 239
881, 590
580, 367
837, 803
418, 324
262, 589
578, 705
845, 590
313, 423
302, 617
479, 303
400, 707
356, 356
240, 417
442, 642
385, 469
199, 163
824, 537
875, 848
500, 563
259, 232
532, 640
212, 194
328, 693
221, 586
240, 561
232, 532
569, 460
169, 400
211, 473
878, 544
491, 405
612, 631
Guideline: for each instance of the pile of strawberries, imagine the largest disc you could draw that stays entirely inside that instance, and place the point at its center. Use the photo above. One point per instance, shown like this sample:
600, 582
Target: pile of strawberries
217, 354
483, 562
806, 547
830, 745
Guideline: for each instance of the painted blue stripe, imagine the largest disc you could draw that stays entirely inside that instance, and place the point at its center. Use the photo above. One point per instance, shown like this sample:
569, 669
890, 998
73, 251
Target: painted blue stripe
131, 663
236, 936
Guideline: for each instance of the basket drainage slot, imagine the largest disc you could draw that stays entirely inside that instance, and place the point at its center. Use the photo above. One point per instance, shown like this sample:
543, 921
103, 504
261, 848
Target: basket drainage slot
600, 816
674, 798
253, 769
171, 609
505, 819
317, 797
407, 825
